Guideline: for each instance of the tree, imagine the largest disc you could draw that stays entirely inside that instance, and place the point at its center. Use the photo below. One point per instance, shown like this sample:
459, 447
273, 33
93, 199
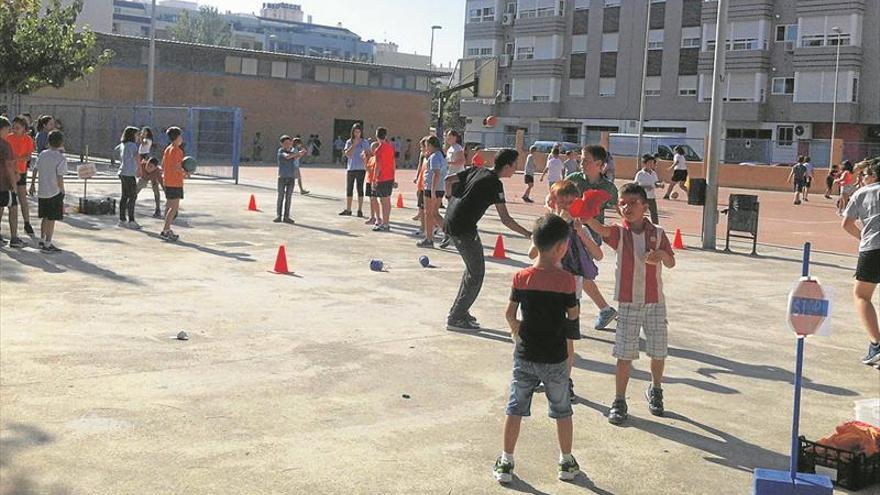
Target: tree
452, 118
207, 27
44, 50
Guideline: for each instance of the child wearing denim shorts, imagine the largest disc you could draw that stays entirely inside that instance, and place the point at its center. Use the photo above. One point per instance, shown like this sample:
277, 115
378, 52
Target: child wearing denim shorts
643, 249
546, 294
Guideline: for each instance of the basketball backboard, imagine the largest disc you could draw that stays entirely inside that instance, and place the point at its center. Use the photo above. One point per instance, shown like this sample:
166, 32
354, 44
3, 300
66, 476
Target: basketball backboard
486, 69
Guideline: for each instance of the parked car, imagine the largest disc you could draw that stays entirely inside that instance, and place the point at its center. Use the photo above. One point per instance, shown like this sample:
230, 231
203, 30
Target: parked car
565, 146
662, 145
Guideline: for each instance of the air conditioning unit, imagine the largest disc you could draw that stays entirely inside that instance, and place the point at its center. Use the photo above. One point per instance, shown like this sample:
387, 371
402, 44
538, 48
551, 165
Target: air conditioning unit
504, 60
803, 131
507, 19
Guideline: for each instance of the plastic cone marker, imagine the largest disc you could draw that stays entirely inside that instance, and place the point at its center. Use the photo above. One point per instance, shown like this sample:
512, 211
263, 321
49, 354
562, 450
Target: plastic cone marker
677, 243
499, 248
281, 261
252, 205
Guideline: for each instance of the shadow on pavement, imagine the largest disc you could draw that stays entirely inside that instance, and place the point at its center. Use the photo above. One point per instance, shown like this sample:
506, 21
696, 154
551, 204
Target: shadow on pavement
63, 261
637, 374
216, 252
16, 438
325, 230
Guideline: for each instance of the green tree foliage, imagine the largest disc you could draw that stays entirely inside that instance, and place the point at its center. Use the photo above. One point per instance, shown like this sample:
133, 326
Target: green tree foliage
43, 48
207, 27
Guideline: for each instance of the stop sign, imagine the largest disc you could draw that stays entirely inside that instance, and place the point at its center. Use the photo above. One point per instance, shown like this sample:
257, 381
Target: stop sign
808, 307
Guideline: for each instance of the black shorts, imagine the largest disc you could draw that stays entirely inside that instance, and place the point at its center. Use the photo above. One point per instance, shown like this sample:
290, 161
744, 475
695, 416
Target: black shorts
354, 181
383, 189
420, 199
529, 179
8, 199
22, 180
679, 175
368, 190
868, 268
436, 194
799, 185
808, 181
173, 193
51, 208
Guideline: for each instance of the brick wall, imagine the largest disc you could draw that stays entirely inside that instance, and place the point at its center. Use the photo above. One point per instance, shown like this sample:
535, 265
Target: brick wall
269, 106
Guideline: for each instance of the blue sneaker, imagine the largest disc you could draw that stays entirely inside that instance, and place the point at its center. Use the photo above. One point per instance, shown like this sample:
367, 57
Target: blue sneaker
606, 316
873, 355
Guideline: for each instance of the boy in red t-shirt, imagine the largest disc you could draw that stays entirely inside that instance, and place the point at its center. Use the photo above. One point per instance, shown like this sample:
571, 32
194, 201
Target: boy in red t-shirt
8, 179
383, 182
22, 148
643, 249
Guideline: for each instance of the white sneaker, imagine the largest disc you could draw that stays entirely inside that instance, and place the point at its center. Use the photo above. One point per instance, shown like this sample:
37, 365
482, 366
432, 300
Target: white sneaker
134, 225
123, 224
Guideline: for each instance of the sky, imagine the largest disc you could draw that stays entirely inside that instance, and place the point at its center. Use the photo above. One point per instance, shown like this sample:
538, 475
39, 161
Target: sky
405, 22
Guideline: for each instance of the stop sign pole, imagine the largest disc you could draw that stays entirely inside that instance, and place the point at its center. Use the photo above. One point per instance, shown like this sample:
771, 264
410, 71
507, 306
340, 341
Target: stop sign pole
808, 309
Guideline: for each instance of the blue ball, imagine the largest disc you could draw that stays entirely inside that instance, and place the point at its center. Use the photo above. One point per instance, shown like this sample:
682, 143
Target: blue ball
424, 261
376, 265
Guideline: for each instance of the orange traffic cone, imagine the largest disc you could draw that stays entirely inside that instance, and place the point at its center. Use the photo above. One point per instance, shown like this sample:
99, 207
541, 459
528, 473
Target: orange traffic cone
499, 249
252, 205
281, 262
677, 243
400, 200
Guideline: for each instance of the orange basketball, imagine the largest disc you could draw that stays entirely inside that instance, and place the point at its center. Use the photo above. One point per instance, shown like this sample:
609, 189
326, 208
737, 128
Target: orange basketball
490, 121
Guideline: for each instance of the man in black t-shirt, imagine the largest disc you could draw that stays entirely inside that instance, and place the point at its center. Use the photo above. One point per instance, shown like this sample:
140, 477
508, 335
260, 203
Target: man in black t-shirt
472, 192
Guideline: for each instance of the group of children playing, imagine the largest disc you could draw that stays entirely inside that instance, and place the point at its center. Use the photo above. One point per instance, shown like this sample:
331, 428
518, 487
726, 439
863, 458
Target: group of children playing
843, 178
547, 296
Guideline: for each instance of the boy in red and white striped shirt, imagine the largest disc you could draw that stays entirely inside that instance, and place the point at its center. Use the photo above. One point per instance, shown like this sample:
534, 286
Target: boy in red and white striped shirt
643, 249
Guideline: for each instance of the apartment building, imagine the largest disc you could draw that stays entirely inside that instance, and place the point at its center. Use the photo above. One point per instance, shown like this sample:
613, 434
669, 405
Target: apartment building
569, 69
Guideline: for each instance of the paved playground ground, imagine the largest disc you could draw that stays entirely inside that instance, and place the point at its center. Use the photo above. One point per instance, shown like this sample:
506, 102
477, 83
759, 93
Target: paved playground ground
340, 380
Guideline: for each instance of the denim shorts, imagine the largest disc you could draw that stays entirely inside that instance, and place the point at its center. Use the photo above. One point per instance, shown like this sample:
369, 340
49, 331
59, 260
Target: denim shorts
526, 377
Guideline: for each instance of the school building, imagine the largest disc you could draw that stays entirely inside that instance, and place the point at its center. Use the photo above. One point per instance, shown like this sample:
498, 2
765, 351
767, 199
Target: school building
277, 93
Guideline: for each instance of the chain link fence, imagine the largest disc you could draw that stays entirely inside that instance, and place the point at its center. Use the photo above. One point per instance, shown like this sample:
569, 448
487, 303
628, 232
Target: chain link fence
212, 135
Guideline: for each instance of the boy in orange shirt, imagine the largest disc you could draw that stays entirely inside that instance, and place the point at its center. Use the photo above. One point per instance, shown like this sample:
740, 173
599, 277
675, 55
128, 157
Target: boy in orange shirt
173, 175
22, 148
375, 215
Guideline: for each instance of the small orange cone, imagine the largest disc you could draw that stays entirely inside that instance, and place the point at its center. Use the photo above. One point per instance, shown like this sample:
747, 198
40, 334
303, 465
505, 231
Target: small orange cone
281, 262
499, 249
252, 205
677, 243
400, 200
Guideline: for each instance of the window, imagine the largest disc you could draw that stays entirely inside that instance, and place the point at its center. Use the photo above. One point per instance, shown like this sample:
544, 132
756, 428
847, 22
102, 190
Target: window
784, 135
539, 8
581, 4
607, 86
652, 86
579, 43
609, 42
742, 36
612, 3
687, 85
783, 86
655, 39
819, 31
786, 32
525, 53
249, 66
361, 77
535, 89
508, 48
279, 69
690, 37
818, 86
576, 87
322, 73
484, 14
855, 90
233, 65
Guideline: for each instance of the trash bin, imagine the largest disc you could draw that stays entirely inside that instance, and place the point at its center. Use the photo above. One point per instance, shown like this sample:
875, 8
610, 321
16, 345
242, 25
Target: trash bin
742, 216
697, 192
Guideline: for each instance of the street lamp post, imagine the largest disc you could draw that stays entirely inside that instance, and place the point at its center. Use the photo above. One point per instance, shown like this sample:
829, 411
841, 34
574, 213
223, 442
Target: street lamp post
151, 64
716, 112
431, 56
644, 81
834, 103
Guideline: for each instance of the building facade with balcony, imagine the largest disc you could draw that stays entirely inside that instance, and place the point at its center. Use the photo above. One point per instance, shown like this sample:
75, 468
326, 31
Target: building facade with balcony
569, 69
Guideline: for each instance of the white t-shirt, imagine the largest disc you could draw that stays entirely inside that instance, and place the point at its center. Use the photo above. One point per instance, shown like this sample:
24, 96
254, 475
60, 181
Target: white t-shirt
648, 180
145, 147
555, 169
679, 163
50, 164
450, 153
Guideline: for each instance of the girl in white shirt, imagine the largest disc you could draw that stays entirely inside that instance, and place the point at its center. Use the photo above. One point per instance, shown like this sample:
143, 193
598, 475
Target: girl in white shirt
679, 172
647, 178
554, 166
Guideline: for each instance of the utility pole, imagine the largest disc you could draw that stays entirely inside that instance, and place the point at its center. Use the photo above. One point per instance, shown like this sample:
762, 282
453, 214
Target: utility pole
716, 123
151, 64
644, 81
834, 104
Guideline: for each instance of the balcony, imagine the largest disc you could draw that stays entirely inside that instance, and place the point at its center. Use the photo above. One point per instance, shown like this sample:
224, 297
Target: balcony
737, 60
824, 58
487, 29
823, 7
739, 9
821, 112
544, 24
548, 67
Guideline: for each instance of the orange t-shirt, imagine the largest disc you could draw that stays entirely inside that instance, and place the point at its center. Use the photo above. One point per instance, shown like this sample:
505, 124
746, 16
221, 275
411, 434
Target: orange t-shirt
172, 166
385, 162
21, 145
371, 169
420, 175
